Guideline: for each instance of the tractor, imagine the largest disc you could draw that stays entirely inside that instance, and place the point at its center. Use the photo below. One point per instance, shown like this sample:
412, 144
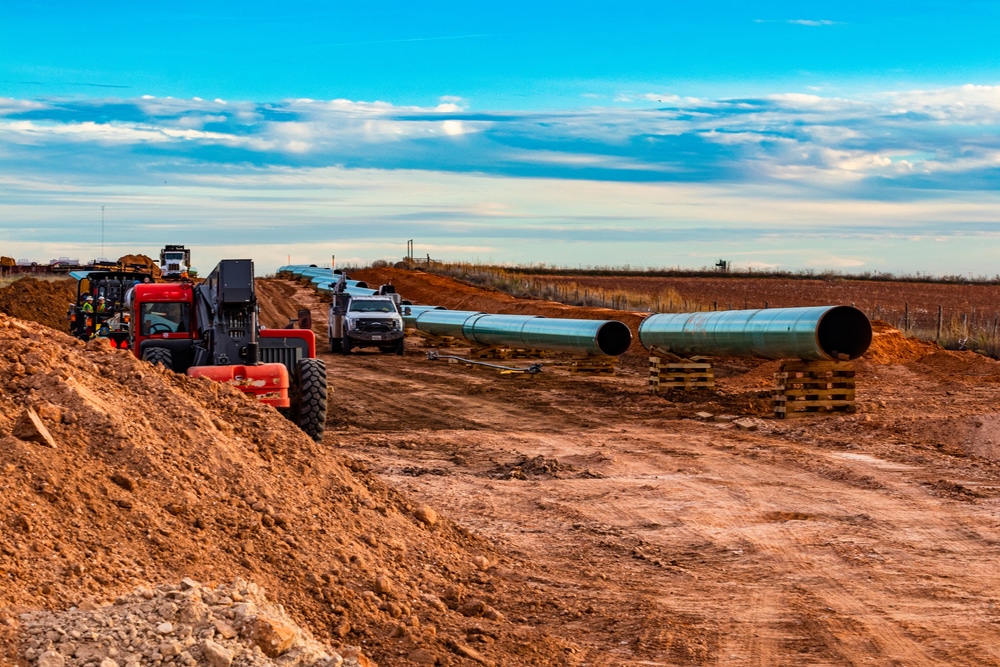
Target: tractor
211, 329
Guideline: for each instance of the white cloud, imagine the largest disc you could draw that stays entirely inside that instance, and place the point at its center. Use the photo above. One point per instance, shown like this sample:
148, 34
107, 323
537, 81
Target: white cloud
453, 128
812, 22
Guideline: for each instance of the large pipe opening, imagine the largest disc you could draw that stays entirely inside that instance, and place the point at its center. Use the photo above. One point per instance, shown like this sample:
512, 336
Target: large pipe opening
844, 330
614, 338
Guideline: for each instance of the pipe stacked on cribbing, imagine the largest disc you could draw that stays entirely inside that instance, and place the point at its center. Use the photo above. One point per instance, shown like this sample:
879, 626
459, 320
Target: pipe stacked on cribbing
818, 333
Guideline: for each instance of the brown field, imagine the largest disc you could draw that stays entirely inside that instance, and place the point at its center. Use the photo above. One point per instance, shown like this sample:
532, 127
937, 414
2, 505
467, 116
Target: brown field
583, 521
881, 300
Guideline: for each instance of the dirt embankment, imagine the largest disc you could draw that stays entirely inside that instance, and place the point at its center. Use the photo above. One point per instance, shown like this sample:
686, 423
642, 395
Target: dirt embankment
147, 476
42, 301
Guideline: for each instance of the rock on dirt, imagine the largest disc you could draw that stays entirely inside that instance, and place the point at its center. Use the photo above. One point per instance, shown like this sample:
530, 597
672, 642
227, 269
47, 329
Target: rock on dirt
175, 624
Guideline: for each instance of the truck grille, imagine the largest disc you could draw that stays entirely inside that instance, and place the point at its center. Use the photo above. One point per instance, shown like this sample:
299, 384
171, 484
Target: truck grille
375, 325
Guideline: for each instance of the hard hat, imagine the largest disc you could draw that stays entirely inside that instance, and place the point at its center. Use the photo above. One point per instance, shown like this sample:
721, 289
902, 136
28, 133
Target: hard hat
100, 298
90, 298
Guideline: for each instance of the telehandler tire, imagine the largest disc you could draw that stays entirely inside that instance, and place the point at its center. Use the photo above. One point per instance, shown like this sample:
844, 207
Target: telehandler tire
309, 397
158, 355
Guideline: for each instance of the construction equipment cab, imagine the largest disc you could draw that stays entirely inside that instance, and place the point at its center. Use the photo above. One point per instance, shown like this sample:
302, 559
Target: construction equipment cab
361, 318
99, 309
211, 330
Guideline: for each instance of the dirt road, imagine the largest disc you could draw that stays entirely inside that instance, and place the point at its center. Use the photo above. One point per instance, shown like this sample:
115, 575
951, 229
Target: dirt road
652, 537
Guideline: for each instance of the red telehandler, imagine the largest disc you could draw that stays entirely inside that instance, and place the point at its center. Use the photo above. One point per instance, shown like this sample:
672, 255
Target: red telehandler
210, 329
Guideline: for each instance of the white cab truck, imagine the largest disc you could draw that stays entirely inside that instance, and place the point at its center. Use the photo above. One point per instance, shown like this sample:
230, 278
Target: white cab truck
362, 320
175, 261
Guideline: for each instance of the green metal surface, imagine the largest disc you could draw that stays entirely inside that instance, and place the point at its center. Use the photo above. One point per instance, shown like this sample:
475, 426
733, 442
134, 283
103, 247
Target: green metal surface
444, 322
813, 333
594, 337
410, 318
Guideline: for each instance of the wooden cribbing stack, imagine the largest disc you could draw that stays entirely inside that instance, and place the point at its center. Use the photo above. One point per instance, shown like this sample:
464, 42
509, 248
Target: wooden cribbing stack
670, 371
503, 352
591, 365
432, 340
806, 388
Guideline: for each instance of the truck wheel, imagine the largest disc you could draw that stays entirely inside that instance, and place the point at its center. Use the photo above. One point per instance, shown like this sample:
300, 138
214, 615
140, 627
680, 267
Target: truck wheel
397, 347
345, 345
158, 355
310, 394
335, 345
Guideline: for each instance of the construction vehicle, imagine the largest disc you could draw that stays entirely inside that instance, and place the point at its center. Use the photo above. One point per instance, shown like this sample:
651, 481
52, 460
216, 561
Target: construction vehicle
211, 329
99, 309
365, 320
175, 262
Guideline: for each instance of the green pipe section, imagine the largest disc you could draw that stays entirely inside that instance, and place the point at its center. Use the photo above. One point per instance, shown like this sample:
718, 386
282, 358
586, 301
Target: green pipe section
827, 333
595, 337
444, 322
412, 312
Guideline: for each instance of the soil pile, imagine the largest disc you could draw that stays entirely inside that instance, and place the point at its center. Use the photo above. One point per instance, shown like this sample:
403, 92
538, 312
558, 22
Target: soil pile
42, 301
142, 260
277, 302
117, 474
889, 346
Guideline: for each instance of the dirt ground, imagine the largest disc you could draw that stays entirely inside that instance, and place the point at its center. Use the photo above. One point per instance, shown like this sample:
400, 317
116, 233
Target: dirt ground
580, 520
653, 537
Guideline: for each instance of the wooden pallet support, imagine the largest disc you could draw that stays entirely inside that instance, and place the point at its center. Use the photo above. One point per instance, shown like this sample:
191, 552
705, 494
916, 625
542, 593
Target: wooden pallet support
589, 365
670, 371
502, 352
431, 340
809, 388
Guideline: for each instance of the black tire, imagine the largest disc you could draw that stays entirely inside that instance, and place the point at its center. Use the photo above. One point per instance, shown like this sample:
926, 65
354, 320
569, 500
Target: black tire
309, 397
398, 346
158, 355
346, 345
334, 345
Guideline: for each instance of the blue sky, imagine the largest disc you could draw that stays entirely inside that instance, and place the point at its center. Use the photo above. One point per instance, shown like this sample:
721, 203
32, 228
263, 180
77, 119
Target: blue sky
852, 136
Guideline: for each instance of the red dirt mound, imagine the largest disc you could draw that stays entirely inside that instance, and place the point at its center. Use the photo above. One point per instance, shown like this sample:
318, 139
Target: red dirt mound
117, 474
889, 346
145, 261
966, 365
42, 301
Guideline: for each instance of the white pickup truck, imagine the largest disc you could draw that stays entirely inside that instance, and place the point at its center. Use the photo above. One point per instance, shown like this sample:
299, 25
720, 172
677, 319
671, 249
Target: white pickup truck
366, 321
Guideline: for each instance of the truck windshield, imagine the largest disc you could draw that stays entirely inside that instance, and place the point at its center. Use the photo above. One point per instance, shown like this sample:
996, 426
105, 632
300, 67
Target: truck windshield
369, 306
158, 318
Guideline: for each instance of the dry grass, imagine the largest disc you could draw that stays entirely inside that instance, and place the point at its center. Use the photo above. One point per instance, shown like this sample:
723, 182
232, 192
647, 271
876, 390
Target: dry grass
609, 295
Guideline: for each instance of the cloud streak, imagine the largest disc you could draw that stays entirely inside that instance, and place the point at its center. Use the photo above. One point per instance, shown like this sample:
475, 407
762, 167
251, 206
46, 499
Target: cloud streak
766, 171
819, 142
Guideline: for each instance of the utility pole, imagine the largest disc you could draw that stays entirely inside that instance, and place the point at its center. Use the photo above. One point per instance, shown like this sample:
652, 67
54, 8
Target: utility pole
102, 232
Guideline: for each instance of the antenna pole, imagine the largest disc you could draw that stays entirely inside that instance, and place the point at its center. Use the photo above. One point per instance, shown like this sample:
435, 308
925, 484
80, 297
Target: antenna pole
102, 232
